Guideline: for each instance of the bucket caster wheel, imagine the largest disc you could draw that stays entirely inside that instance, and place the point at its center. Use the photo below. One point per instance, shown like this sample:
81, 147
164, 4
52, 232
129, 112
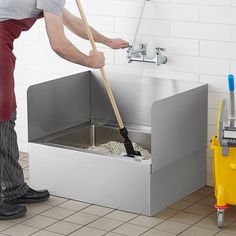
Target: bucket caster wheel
220, 218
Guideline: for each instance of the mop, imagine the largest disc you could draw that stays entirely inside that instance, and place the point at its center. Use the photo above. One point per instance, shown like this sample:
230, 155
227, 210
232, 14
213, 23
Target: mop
123, 131
117, 149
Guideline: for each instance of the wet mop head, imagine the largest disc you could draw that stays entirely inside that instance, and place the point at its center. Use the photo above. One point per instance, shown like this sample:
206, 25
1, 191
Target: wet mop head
117, 148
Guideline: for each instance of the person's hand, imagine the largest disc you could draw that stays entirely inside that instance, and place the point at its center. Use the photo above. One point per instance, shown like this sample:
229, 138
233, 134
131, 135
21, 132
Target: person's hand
118, 43
96, 60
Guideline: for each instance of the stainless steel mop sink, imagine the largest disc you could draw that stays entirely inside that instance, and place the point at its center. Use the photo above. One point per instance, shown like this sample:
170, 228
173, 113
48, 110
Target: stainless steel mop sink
87, 135
166, 117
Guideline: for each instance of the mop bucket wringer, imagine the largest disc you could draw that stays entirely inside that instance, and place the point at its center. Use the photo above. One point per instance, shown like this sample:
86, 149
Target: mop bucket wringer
224, 160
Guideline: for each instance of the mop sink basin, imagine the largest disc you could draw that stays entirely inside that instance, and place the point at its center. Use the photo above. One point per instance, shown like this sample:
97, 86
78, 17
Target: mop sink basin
87, 135
166, 117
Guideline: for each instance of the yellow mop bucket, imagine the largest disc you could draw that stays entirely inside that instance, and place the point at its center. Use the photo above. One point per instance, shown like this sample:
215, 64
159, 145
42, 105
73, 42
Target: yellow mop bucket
224, 161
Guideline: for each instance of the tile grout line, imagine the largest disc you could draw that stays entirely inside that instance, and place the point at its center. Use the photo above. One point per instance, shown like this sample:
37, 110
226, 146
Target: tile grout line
58, 220
8, 227
198, 214
35, 214
197, 222
127, 222
93, 220
179, 211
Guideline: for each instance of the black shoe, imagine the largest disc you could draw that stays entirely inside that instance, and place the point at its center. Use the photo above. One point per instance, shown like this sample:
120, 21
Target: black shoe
32, 196
10, 212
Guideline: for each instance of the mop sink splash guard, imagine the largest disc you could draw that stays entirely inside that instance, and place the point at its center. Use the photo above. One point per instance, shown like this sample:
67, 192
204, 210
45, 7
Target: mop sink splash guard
167, 118
224, 161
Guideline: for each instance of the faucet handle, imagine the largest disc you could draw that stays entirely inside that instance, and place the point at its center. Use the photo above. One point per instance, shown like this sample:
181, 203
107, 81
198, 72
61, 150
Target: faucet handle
161, 49
129, 52
161, 58
130, 47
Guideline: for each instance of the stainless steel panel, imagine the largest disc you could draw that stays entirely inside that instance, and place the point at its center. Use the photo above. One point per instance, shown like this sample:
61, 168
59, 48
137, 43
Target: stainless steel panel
177, 180
58, 104
134, 95
179, 127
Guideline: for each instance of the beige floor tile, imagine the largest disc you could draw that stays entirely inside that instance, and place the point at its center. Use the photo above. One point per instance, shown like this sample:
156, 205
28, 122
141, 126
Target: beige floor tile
81, 218
121, 215
5, 225
231, 228
105, 224
230, 215
209, 201
110, 234
130, 229
154, 232
54, 201
194, 197
198, 231
207, 190
172, 227
58, 213
180, 205
74, 205
63, 227
28, 215
20, 230
37, 208
146, 221
208, 222
46, 233
39, 221
223, 233
200, 209
186, 218
97, 210
166, 213
86, 231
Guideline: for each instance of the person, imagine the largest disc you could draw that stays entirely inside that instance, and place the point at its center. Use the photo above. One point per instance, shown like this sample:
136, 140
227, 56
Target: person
15, 17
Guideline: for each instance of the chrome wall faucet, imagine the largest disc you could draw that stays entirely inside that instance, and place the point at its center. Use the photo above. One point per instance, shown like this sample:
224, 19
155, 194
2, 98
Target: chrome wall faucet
140, 54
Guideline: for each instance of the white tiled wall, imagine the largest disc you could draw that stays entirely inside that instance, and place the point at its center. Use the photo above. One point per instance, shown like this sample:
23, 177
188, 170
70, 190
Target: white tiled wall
199, 35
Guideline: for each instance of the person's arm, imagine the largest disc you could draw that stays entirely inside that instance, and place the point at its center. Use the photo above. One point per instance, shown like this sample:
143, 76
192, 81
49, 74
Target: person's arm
75, 25
64, 48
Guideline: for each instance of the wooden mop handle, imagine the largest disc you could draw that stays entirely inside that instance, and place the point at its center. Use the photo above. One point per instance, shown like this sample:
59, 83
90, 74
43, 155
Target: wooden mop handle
102, 70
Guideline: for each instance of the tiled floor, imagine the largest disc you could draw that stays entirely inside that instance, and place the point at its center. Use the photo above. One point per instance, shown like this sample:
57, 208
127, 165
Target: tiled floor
192, 216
